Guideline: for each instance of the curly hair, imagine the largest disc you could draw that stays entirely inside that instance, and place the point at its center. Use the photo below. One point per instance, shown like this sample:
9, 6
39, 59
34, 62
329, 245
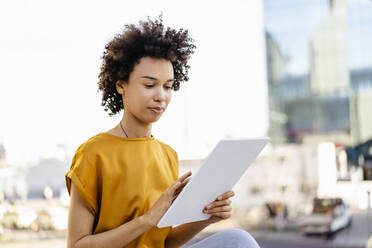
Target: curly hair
124, 51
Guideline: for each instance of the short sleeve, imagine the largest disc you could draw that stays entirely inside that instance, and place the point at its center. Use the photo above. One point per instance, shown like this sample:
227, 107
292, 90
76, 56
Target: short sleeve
84, 176
177, 165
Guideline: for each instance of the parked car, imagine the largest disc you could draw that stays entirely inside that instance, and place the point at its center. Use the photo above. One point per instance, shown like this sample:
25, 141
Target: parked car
369, 242
329, 215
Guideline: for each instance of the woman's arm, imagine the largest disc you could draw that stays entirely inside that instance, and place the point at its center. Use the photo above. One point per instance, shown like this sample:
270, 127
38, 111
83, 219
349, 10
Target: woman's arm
179, 235
219, 209
80, 225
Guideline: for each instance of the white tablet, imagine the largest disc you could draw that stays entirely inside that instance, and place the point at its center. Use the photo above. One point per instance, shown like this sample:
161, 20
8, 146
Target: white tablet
219, 172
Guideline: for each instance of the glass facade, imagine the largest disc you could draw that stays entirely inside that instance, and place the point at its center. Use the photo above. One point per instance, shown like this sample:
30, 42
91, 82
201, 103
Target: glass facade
319, 69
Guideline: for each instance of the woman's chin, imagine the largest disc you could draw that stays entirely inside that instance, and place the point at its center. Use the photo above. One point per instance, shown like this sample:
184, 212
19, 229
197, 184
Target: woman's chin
152, 119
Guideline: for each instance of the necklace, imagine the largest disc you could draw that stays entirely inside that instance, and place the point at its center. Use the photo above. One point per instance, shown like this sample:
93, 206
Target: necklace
122, 128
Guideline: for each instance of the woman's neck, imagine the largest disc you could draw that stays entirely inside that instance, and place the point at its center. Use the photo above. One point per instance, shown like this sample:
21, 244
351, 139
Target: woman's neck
134, 128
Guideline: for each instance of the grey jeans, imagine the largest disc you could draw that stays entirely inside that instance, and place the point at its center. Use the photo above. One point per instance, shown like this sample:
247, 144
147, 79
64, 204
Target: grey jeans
230, 238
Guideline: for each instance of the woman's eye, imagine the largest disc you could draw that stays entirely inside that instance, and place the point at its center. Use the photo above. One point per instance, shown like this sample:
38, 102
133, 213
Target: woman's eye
151, 85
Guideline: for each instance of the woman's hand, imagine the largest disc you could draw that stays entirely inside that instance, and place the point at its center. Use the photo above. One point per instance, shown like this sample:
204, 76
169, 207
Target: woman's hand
220, 209
166, 199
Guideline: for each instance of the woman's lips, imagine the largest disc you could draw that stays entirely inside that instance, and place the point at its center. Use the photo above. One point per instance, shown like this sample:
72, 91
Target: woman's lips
157, 110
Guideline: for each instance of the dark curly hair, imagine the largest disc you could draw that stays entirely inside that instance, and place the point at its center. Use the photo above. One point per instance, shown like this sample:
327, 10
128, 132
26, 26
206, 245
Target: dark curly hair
124, 51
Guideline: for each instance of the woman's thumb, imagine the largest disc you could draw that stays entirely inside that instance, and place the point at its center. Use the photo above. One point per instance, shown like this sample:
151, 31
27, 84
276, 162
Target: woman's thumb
175, 187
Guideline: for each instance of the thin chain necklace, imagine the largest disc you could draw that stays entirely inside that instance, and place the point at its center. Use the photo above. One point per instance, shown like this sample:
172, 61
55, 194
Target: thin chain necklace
122, 128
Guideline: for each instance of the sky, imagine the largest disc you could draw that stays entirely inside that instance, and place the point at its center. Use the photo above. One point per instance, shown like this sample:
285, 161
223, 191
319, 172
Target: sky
294, 37
50, 59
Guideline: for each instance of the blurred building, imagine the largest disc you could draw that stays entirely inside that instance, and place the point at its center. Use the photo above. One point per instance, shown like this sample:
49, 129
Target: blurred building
13, 183
320, 90
12, 179
361, 110
22, 183
276, 62
2, 152
47, 174
329, 64
329, 102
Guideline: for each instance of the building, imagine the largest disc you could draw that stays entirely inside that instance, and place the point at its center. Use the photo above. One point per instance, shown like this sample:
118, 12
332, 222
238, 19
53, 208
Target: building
329, 64
329, 100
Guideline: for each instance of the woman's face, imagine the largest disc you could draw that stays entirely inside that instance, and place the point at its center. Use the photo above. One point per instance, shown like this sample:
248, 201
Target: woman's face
148, 88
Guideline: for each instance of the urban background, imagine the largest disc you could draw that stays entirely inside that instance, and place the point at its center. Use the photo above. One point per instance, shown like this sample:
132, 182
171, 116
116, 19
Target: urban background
311, 64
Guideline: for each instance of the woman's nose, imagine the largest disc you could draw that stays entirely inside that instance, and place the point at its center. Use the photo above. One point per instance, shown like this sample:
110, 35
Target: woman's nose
161, 95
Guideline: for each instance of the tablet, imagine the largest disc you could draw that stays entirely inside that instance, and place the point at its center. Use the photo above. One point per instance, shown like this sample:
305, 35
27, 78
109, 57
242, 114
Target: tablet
219, 172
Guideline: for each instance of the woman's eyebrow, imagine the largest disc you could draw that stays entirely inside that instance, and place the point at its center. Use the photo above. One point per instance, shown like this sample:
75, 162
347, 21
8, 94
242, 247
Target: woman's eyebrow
152, 78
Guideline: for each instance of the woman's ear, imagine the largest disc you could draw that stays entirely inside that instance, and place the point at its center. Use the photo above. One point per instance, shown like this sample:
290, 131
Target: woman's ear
120, 87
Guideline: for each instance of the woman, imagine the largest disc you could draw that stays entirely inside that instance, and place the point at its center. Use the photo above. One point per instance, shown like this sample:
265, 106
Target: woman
122, 181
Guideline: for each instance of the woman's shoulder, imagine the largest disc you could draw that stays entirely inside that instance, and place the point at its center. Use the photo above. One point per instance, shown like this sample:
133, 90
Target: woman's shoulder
90, 145
167, 148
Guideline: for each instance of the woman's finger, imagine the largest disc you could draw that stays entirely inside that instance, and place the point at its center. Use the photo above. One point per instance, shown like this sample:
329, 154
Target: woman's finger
218, 203
218, 209
183, 184
226, 195
174, 187
184, 176
222, 215
179, 182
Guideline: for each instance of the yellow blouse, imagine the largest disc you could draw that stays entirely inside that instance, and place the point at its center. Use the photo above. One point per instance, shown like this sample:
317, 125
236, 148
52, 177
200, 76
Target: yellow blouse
121, 179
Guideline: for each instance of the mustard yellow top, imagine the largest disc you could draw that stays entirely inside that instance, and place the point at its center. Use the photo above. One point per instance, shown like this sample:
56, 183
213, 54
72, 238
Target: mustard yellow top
121, 179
